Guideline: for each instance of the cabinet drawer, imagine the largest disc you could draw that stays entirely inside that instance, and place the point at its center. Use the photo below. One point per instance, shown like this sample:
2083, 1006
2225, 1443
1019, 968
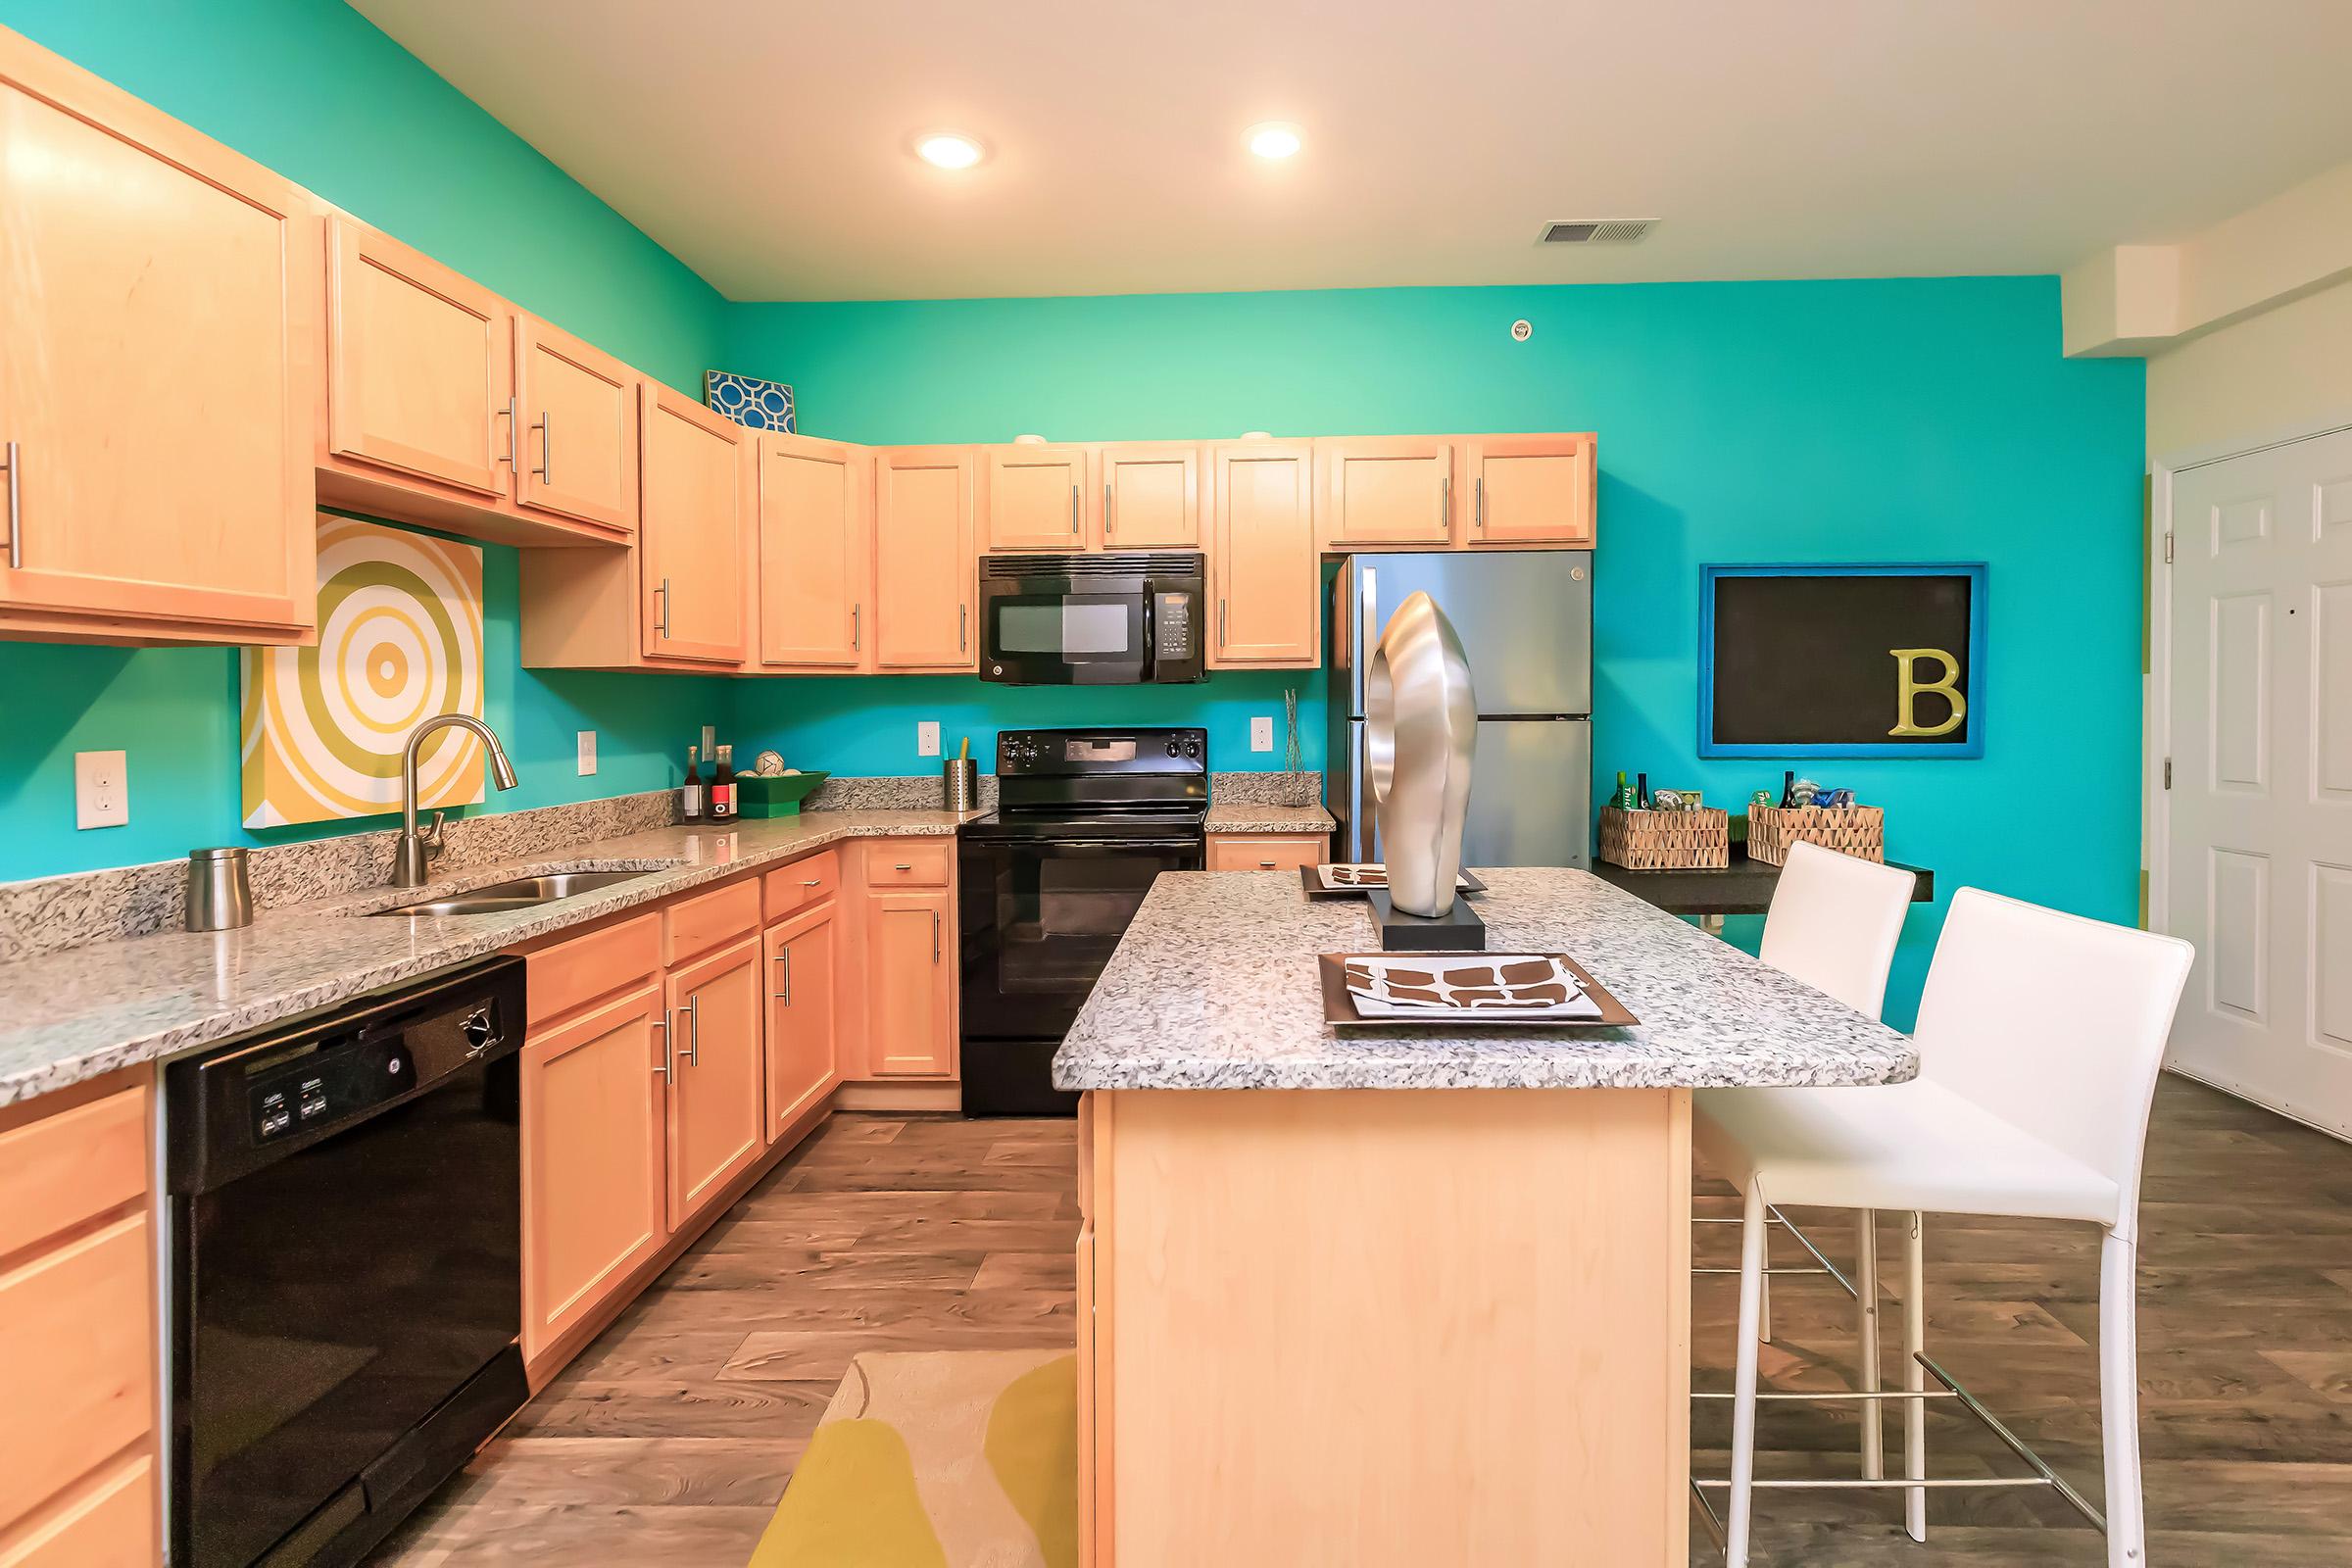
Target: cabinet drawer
1264, 854
107, 1521
77, 1362
803, 882
701, 922
908, 862
572, 974
71, 1166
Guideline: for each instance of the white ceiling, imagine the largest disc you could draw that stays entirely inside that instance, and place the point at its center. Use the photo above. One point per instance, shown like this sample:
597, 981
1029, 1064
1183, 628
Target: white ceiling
765, 143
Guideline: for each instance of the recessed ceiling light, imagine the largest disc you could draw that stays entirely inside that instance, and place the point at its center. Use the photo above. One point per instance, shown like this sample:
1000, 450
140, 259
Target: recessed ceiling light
1274, 139
947, 150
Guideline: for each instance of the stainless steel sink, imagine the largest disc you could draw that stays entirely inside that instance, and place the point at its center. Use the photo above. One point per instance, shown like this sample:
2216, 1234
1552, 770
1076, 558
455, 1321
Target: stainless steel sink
522, 893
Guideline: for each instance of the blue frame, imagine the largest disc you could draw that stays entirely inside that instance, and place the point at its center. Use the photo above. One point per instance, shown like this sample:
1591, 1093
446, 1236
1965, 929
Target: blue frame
1973, 690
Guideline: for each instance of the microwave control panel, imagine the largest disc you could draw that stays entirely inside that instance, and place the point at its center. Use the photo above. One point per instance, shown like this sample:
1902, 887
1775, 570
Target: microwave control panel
1172, 625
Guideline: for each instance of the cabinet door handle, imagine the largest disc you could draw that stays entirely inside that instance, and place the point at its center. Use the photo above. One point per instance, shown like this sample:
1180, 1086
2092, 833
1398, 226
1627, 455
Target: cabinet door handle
935, 936
1220, 625
668, 1070
547, 448
694, 1030
1478, 501
962, 626
854, 629
513, 409
813, 881
662, 620
785, 959
1108, 530
1446, 504
904, 868
1073, 510
1265, 866
16, 507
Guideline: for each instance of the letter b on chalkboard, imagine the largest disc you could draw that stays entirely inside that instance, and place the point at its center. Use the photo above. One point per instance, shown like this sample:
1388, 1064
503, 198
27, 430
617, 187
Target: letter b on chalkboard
1909, 688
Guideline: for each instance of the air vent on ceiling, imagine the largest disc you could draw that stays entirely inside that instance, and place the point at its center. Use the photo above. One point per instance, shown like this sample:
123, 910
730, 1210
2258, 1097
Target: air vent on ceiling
1597, 231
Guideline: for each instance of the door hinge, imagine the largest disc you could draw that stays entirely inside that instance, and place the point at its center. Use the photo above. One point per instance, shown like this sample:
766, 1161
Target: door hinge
2167, 772
2168, 547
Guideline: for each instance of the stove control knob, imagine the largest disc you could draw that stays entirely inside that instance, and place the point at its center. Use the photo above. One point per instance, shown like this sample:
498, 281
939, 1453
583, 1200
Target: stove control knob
1192, 749
1171, 748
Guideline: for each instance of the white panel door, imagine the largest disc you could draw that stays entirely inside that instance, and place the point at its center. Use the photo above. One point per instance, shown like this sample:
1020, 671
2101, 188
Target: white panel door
2259, 852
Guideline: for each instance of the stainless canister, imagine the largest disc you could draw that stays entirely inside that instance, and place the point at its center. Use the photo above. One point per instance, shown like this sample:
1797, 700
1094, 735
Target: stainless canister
962, 776
220, 897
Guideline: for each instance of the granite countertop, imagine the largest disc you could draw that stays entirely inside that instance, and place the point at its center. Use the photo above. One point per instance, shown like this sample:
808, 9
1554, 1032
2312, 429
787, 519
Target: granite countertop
1216, 987
1243, 817
66, 1016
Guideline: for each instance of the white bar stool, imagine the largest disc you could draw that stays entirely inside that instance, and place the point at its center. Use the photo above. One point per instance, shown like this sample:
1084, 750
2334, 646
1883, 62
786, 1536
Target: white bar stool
2040, 1035
1834, 923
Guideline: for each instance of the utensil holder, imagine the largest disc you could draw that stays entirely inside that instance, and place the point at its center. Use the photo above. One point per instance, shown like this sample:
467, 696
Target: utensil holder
220, 894
961, 783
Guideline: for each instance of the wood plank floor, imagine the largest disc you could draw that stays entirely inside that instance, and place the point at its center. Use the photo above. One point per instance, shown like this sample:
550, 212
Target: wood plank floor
671, 1440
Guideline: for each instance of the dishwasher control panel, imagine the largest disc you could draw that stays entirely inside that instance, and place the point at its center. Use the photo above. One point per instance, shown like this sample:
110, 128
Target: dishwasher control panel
324, 1085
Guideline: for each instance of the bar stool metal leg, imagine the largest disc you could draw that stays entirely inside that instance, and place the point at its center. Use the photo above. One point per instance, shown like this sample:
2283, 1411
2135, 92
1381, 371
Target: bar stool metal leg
1744, 1384
1915, 1411
2119, 1400
1866, 1298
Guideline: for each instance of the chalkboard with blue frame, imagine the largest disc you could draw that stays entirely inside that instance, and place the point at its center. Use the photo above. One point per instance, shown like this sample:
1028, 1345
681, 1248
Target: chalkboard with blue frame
1845, 660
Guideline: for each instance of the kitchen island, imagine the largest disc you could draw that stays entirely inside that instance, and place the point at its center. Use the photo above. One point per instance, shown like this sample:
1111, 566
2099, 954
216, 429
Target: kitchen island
1390, 1297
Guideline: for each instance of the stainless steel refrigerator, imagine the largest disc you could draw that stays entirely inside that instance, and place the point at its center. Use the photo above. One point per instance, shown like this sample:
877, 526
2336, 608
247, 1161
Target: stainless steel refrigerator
1526, 623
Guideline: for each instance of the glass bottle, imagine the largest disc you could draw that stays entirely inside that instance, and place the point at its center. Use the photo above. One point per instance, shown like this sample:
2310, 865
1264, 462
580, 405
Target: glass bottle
690, 796
723, 785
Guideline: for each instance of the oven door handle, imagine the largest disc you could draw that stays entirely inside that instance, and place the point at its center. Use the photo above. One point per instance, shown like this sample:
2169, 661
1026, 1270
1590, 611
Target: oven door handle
1193, 845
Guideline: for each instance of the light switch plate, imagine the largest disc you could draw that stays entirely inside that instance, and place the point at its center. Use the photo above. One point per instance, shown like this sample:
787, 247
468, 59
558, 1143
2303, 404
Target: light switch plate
926, 738
101, 790
1262, 733
587, 752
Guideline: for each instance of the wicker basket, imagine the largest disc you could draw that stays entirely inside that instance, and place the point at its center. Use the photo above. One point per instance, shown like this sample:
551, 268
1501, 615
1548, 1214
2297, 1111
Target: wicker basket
1666, 841
1856, 830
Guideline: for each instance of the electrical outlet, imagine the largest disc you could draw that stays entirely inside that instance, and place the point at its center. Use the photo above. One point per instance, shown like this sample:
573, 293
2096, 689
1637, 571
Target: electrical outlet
587, 752
926, 738
101, 790
1262, 733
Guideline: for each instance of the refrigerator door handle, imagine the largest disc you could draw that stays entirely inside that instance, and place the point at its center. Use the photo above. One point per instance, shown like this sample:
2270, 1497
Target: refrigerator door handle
1367, 634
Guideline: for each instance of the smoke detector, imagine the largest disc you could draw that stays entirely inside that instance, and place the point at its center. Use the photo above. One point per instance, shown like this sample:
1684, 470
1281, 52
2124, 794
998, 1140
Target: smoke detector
1595, 231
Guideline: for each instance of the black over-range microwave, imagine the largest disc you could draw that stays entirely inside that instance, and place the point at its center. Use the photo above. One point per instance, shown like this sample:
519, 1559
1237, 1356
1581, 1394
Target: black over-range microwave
1117, 619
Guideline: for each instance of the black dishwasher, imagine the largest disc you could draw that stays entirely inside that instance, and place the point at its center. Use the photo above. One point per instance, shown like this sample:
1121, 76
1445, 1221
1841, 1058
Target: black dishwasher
347, 1266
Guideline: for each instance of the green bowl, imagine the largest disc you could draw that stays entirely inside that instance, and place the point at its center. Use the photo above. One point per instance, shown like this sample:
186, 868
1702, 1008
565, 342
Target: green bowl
775, 795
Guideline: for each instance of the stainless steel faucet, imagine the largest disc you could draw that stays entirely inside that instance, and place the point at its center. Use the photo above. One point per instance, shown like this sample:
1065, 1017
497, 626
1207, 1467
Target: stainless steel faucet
414, 851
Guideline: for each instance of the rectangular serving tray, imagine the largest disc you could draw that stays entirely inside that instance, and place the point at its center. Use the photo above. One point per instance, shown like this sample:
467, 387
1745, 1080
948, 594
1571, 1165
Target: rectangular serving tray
1338, 1003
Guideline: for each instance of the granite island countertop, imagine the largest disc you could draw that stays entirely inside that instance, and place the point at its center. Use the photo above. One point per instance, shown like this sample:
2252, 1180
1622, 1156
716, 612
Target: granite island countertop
1214, 986
72, 1016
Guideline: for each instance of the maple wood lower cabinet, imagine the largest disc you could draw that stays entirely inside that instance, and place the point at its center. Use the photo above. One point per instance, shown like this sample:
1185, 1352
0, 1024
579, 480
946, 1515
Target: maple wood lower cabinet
593, 1181
1279, 852
804, 1063
78, 1329
719, 1071
158, 374
900, 1011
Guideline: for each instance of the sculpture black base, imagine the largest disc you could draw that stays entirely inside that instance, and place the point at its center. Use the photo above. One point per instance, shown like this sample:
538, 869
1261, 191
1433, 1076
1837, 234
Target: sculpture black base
1457, 930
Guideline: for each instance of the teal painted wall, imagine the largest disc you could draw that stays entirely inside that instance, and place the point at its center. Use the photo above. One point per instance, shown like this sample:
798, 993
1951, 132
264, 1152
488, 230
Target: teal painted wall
1827, 422
314, 91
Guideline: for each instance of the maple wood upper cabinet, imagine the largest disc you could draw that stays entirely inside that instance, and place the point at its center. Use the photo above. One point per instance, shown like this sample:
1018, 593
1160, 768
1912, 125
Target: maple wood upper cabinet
1384, 493
694, 531
1150, 496
1531, 489
816, 553
925, 568
1035, 497
159, 311
575, 418
1267, 571
419, 364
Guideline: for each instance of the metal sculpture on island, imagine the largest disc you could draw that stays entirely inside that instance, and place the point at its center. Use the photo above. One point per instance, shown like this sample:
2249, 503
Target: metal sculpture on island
1421, 725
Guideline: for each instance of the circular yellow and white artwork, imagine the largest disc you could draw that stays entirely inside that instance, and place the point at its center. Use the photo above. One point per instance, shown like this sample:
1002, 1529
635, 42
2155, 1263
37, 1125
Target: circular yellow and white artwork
400, 640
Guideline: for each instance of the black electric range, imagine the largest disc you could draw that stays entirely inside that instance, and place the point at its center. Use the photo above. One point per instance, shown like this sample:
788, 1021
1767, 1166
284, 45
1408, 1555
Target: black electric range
1085, 820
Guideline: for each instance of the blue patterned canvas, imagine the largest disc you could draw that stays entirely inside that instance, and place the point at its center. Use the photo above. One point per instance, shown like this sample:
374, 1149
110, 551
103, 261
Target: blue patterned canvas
749, 401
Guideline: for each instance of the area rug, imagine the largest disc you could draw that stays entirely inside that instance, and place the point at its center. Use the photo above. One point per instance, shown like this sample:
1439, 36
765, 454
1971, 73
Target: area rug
938, 1459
